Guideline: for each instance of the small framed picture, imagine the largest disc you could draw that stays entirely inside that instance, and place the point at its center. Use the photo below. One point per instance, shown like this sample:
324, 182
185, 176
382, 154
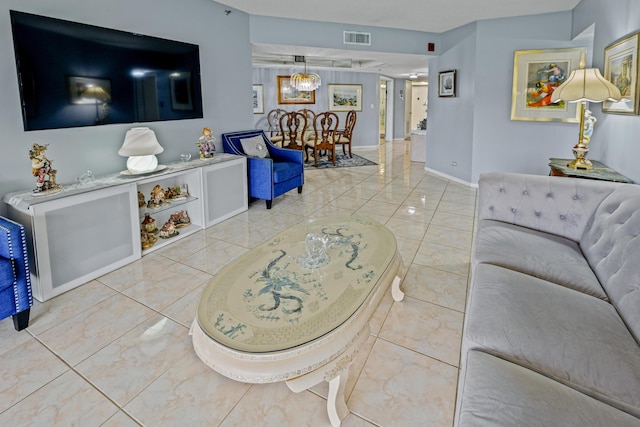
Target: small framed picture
258, 99
447, 83
621, 64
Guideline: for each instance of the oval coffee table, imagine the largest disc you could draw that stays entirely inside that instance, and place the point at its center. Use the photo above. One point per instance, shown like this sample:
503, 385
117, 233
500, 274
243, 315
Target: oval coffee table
277, 313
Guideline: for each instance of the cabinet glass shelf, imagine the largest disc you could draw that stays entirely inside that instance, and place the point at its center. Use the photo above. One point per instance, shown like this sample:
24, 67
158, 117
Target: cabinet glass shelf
172, 204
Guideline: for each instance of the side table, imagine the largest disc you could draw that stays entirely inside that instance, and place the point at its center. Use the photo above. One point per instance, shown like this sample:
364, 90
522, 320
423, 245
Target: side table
600, 171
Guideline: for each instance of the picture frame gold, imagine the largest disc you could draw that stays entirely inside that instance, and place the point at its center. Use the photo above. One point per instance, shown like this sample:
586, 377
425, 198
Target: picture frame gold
258, 99
287, 94
621, 67
536, 73
345, 97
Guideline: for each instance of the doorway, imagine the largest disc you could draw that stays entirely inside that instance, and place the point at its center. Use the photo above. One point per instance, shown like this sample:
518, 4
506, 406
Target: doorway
383, 108
386, 108
419, 104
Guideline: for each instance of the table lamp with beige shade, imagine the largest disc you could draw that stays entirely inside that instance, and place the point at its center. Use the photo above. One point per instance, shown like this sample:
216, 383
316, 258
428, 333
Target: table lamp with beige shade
582, 86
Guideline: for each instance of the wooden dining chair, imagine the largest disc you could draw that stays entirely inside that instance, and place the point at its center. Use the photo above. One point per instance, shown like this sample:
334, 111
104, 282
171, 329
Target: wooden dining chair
293, 126
345, 136
309, 133
273, 119
325, 128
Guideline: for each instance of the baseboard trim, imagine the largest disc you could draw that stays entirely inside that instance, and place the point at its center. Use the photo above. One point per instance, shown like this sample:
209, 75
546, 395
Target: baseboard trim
451, 178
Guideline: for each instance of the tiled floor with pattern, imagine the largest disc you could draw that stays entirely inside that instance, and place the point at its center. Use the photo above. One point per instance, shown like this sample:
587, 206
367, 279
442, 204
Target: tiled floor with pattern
116, 351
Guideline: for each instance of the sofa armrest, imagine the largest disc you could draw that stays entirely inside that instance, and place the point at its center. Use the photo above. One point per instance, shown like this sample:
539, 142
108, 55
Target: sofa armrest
13, 247
555, 205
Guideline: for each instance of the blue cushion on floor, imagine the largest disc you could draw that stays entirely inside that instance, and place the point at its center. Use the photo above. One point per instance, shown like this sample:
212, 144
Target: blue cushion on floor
283, 171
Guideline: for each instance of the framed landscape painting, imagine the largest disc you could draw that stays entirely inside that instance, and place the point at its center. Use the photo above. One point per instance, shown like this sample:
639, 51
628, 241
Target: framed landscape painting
536, 74
621, 69
345, 97
288, 95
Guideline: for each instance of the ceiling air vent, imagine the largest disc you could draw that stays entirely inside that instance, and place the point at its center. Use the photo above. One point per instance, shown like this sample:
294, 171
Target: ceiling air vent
356, 37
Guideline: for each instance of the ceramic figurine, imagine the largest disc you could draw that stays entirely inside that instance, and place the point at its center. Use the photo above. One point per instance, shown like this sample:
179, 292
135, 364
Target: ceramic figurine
42, 170
206, 144
589, 123
147, 240
149, 224
157, 197
171, 192
141, 201
180, 219
168, 230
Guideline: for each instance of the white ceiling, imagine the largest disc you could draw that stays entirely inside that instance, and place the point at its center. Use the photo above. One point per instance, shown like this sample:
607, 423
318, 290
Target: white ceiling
421, 15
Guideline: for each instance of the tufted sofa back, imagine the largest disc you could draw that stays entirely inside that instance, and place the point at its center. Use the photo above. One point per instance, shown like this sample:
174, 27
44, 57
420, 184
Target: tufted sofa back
611, 244
555, 205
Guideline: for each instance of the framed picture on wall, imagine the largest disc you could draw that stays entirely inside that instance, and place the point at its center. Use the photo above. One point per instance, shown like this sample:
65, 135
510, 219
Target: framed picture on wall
258, 99
621, 68
447, 83
345, 97
288, 95
536, 74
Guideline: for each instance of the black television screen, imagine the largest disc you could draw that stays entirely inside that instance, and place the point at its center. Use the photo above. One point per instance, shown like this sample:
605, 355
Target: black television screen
73, 74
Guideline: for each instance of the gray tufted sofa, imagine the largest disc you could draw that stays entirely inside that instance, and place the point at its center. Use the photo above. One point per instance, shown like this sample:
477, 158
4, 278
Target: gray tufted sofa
552, 330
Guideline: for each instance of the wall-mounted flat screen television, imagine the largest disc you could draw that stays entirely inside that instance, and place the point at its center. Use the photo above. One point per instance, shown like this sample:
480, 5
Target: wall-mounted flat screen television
72, 74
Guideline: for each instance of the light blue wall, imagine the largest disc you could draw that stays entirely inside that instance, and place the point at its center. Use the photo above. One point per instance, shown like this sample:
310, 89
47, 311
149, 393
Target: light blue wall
475, 129
294, 32
450, 120
225, 55
499, 142
399, 119
365, 133
615, 140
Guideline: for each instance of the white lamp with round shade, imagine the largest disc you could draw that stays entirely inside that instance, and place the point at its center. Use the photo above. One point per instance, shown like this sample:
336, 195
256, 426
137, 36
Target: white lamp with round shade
141, 146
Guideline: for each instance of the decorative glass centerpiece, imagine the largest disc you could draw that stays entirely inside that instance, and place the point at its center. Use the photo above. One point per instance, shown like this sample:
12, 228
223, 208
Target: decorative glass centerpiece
316, 247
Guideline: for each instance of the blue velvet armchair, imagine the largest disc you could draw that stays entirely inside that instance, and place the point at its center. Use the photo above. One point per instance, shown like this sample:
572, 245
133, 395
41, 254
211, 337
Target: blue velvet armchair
281, 171
15, 280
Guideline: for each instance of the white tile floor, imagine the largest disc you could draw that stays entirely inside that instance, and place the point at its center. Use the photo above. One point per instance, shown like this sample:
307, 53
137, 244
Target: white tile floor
115, 351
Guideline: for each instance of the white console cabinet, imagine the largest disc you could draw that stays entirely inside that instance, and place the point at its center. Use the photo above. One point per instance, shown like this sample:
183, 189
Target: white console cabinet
87, 230
222, 198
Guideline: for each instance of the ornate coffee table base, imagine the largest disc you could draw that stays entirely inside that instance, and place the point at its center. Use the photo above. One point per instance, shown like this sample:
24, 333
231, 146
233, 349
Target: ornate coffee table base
372, 267
336, 372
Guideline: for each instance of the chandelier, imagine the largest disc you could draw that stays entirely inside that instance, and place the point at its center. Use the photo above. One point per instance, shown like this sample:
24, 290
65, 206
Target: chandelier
305, 82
